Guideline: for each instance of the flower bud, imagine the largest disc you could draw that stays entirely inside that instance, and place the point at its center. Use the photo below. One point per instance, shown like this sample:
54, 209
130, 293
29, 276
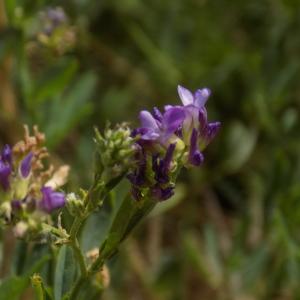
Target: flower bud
74, 205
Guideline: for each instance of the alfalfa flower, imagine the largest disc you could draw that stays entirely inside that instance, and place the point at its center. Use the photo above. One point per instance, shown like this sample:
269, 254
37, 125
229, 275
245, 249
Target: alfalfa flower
27, 187
170, 140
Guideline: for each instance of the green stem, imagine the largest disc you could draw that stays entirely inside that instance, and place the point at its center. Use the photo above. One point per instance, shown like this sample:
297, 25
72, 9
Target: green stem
76, 287
79, 255
97, 265
77, 223
76, 226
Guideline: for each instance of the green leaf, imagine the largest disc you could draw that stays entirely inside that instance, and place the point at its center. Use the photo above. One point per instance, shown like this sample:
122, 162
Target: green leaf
11, 288
64, 273
54, 81
95, 230
127, 217
240, 145
68, 110
10, 6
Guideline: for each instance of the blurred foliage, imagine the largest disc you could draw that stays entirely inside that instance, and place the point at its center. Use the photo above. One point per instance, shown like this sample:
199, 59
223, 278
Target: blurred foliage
232, 233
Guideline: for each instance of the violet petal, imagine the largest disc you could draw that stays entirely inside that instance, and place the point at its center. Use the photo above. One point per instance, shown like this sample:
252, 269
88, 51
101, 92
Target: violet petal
6, 154
5, 171
157, 114
173, 119
211, 131
51, 200
148, 121
201, 97
26, 165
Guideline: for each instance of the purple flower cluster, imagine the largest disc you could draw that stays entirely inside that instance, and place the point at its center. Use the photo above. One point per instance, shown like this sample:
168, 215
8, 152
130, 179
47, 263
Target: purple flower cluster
53, 18
169, 140
12, 174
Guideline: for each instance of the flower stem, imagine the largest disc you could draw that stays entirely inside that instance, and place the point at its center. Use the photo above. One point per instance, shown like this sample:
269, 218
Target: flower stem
37, 285
79, 255
77, 223
97, 264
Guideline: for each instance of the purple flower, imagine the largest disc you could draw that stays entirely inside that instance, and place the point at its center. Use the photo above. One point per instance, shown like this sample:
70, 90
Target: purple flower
6, 154
51, 200
160, 127
182, 131
56, 15
5, 171
196, 118
25, 166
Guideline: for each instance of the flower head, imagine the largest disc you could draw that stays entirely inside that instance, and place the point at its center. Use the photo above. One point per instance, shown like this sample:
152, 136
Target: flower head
27, 186
170, 140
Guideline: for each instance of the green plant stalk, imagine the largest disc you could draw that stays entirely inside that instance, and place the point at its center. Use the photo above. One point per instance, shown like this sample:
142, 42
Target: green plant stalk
79, 255
77, 223
37, 285
128, 216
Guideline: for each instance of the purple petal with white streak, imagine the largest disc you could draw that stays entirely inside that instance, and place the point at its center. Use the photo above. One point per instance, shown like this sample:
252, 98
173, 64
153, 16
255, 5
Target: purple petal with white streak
147, 120
185, 95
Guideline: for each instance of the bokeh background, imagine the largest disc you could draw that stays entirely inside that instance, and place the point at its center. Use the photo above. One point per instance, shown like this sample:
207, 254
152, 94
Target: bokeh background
232, 230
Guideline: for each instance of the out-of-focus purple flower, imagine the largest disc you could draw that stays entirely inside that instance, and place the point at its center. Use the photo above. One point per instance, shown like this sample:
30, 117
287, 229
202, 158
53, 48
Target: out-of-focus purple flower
51, 199
56, 15
25, 166
160, 126
6, 154
52, 19
5, 171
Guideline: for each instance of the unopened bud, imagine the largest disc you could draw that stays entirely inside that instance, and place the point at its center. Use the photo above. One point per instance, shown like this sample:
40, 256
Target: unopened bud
74, 204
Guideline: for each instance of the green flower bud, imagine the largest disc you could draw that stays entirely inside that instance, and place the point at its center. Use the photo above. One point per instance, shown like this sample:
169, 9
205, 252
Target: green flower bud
74, 205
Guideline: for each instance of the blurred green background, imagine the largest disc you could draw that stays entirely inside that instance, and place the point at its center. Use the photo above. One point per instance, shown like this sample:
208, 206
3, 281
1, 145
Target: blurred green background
232, 230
